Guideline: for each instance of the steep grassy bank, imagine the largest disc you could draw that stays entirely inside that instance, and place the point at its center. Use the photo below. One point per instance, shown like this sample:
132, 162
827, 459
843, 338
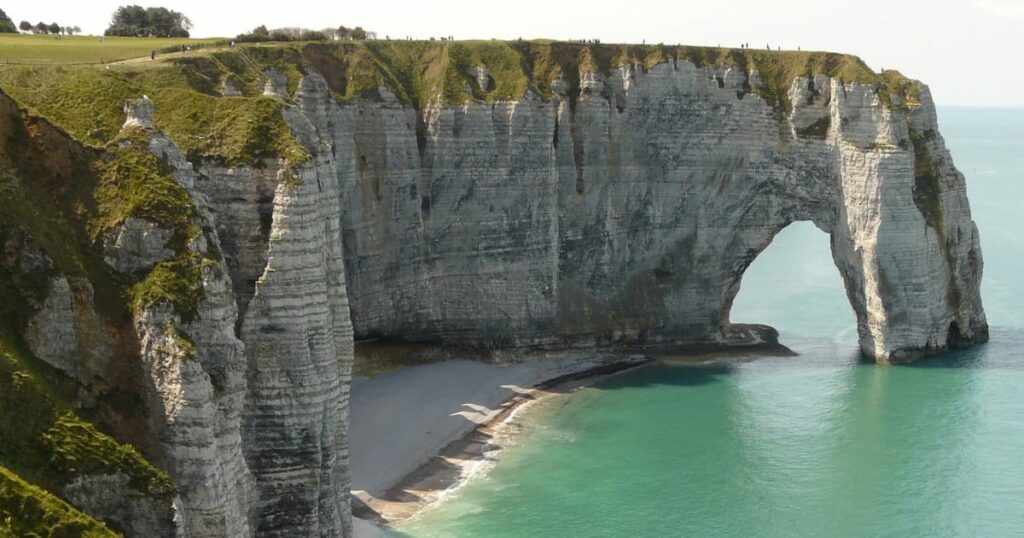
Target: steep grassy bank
26, 510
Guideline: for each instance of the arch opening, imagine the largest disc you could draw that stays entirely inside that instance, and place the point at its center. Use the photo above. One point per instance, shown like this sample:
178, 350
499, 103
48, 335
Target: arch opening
794, 286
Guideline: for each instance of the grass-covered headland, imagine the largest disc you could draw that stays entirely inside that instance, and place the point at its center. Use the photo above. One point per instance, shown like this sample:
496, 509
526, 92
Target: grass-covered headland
50, 50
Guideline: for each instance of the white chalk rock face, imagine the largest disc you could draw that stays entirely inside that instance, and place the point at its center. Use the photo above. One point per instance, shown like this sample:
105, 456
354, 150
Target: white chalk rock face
136, 244
67, 333
139, 113
275, 84
50, 333
628, 213
298, 340
252, 394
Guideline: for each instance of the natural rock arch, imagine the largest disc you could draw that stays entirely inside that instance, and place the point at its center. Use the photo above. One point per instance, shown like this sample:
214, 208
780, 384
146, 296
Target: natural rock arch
636, 222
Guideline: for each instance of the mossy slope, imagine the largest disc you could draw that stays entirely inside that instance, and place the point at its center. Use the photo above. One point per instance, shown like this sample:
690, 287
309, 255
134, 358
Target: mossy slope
27, 511
88, 103
134, 183
46, 443
51, 444
60, 211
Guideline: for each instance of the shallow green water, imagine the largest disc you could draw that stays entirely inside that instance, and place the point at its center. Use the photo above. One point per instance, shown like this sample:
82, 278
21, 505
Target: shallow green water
821, 444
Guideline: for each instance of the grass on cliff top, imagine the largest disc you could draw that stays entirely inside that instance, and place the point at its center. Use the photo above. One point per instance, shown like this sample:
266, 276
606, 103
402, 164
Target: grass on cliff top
419, 72
41, 49
88, 103
26, 511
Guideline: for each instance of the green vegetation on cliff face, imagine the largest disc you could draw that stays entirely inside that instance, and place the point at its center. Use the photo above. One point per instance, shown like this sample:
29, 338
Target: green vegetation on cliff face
88, 102
74, 201
135, 183
176, 281
28, 511
49, 203
47, 444
818, 129
419, 72
926, 180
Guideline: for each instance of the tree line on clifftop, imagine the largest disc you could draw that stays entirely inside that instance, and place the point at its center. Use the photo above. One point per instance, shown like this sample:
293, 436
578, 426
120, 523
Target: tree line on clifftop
130, 21
6, 24
137, 21
261, 34
7, 27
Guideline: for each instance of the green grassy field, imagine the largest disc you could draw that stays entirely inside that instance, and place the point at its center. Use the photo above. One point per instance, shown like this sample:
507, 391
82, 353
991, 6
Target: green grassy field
40, 49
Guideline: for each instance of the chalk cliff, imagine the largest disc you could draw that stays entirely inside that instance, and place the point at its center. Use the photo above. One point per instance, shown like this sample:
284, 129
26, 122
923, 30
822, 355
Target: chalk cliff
583, 200
625, 207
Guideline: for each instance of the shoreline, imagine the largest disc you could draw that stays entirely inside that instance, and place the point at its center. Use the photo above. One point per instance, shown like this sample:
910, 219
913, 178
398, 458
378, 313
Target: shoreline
420, 433
466, 457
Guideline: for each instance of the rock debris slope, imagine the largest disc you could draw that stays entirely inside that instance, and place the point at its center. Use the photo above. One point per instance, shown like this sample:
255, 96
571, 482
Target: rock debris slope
572, 204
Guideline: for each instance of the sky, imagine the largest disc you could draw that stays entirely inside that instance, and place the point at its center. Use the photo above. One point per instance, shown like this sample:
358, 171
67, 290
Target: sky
968, 51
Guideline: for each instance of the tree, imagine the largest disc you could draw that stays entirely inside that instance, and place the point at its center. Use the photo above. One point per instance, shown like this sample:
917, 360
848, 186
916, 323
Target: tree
25, 26
258, 34
41, 28
136, 21
76, 29
313, 35
280, 35
6, 24
54, 28
127, 21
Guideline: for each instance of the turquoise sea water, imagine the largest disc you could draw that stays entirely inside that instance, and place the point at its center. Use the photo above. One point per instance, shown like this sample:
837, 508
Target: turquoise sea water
822, 444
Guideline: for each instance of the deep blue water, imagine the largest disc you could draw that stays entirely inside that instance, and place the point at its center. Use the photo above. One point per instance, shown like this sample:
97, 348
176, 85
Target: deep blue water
822, 444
